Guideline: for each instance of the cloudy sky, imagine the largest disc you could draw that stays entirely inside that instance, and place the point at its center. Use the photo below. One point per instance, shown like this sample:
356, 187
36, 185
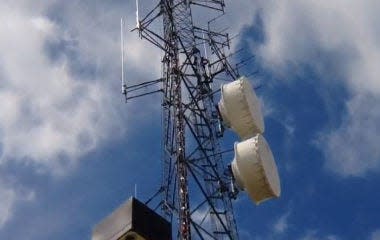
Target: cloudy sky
71, 150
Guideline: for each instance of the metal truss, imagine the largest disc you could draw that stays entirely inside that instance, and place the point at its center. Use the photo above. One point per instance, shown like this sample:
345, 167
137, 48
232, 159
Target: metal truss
196, 191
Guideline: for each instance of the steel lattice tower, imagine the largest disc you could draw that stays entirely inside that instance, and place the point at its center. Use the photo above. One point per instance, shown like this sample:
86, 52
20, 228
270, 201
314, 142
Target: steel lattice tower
196, 185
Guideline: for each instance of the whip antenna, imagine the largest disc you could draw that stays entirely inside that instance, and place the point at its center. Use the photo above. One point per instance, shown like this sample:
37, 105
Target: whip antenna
137, 15
123, 84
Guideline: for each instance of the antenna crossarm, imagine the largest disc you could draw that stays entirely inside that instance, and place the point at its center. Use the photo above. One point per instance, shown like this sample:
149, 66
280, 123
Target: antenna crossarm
212, 4
144, 84
144, 94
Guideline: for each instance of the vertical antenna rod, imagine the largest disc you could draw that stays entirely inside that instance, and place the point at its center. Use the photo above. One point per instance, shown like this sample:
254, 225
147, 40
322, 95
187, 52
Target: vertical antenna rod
123, 85
137, 15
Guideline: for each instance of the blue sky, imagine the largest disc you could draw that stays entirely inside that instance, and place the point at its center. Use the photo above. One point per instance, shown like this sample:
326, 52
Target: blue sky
71, 150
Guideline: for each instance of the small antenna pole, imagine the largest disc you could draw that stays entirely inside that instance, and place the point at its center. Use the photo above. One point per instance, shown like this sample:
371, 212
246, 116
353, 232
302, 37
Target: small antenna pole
135, 190
138, 25
206, 54
123, 84
204, 46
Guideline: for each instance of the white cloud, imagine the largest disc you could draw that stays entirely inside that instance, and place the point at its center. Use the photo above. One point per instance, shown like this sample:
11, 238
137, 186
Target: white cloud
7, 199
375, 235
49, 116
10, 195
298, 33
313, 235
281, 225
353, 148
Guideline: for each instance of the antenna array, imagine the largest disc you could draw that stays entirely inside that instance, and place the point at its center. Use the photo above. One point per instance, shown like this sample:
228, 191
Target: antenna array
197, 186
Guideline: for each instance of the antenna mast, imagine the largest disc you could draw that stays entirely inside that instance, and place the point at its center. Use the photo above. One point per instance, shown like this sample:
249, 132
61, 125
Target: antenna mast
196, 192
197, 185
123, 84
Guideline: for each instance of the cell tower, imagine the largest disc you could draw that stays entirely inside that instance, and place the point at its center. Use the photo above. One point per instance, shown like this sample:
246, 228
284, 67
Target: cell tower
197, 185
